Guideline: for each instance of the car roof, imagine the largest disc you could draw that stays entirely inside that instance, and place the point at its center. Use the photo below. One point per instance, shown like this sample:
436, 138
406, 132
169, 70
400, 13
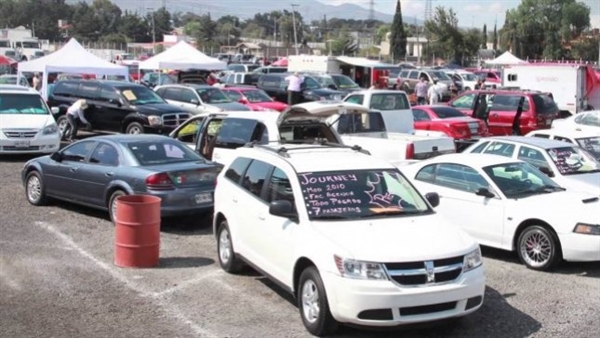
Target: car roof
241, 89
470, 159
17, 89
539, 142
314, 158
379, 91
263, 116
119, 138
563, 132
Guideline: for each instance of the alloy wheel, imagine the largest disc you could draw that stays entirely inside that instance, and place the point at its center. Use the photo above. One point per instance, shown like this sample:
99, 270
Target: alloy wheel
536, 248
224, 246
310, 301
34, 189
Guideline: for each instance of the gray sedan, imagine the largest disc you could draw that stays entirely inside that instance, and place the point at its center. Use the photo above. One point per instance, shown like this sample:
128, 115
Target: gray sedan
94, 171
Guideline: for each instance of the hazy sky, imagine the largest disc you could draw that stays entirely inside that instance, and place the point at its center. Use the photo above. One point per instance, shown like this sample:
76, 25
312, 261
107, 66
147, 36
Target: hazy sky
469, 12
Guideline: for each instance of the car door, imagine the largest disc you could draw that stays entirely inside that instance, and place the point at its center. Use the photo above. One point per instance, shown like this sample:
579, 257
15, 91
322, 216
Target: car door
189, 100
252, 213
98, 172
111, 109
235, 133
277, 233
172, 95
422, 119
481, 217
62, 177
188, 131
90, 91
503, 111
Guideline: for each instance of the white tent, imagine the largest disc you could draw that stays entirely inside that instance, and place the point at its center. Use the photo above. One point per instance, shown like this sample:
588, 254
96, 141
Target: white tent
506, 59
71, 58
182, 56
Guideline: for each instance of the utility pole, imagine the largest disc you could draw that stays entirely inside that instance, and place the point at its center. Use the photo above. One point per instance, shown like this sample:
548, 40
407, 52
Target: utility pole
372, 10
294, 23
419, 49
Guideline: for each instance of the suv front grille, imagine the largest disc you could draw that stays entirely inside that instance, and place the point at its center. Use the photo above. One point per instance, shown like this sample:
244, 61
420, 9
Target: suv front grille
174, 120
425, 272
20, 133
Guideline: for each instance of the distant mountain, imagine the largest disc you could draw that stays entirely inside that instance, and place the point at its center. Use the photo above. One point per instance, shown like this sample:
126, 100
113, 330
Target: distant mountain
309, 9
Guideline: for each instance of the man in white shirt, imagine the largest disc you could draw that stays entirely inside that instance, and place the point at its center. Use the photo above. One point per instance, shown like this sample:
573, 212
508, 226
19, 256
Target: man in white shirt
294, 88
75, 116
433, 93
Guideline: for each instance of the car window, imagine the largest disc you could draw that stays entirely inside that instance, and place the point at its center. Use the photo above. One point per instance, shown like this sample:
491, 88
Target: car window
64, 88
233, 95
447, 112
461, 177
573, 160
541, 135
108, 93
480, 147
280, 188
237, 169
188, 96
189, 133
173, 94
427, 173
519, 179
564, 139
78, 152
162, 152
88, 90
212, 95
310, 83
394, 101
420, 115
413, 75
508, 103
466, 101
140, 95
105, 154
358, 99
544, 104
361, 123
235, 133
255, 177
533, 157
500, 148
588, 120
403, 74
271, 81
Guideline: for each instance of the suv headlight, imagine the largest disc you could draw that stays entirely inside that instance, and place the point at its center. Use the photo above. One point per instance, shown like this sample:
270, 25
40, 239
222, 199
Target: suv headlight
155, 120
472, 260
51, 129
587, 229
350, 268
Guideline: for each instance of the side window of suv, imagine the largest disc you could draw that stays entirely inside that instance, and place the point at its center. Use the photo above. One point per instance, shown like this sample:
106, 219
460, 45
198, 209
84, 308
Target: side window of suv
270, 81
358, 99
107, 94
237, 169
89, 90
280, 188
465, 102
66, 89
173, 94
508, 103
414, 75
255, 177
189, 96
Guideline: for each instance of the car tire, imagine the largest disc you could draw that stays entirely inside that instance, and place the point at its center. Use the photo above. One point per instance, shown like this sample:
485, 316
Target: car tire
538, 248
35, 189
63, 126
228, 260
112, 204
467, 88
313, 304
134, 128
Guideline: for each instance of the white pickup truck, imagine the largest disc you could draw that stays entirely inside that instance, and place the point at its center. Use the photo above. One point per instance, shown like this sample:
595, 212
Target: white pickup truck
391, 118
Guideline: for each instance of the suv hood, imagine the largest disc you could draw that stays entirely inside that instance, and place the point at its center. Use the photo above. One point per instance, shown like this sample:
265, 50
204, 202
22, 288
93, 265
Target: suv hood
25, 121
397, 239
320, 111
158, 109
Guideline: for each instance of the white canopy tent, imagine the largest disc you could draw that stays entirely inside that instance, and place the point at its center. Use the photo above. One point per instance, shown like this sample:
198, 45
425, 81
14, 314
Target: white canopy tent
71, 58
182, 56
507, 58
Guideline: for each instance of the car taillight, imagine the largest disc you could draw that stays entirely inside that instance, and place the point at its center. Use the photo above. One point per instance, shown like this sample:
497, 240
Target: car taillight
410, 151
460, 129
160, 181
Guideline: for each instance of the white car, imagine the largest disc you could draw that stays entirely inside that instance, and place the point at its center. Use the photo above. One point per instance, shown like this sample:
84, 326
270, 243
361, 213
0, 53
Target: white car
587, 120
467, 79
198, 99
586, 139
346, 234
26, 122
509, 204
567, 164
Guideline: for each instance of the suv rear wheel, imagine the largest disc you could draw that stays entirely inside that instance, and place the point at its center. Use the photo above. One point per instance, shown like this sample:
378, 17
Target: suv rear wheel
134, 128
227, 257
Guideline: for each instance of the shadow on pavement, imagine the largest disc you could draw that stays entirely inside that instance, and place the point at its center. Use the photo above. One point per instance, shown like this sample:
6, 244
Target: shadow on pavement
184, 262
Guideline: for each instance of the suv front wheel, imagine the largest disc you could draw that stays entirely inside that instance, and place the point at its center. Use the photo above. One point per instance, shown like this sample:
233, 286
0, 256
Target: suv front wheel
134, 128
313, 304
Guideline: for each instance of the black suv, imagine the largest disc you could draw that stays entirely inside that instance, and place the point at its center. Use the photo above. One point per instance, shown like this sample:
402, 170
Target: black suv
276, 86
117, 106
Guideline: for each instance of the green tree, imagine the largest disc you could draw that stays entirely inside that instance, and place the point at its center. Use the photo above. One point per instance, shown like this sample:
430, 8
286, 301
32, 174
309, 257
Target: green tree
495, 38
344, 44
484, 38
398, 36
449, 39
134, 28
159, 23
586, 48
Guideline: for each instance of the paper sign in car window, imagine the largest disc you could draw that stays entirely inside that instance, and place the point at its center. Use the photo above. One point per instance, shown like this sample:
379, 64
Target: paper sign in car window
129, 95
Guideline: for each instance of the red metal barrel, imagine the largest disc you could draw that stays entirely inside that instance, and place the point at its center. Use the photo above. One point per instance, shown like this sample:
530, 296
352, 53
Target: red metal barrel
137, 231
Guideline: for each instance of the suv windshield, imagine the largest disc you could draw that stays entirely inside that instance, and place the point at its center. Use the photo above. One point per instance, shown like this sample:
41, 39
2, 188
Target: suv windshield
439, 76
344, 82
469, 76
520, 179
257, 96
573, 161
140, 95
360, 194
212, 95
545, 104
22, 104
591, 144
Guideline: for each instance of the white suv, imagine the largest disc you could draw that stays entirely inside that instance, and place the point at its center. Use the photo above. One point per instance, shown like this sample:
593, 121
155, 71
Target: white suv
346, 234
26, 122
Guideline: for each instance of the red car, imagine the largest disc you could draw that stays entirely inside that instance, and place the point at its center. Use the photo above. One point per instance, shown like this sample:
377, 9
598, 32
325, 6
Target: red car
490, 76
450, 121
500, 106
255, 99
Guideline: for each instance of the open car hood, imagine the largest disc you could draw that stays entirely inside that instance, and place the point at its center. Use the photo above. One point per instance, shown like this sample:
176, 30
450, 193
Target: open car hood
319, 111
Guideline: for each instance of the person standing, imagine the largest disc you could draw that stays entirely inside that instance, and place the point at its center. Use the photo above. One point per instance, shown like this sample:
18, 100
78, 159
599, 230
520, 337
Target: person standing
433, 93
36, 83
294, 88
421, 91
75, 116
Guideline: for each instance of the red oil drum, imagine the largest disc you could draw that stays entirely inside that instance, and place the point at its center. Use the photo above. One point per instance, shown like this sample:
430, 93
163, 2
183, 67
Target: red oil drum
137, 231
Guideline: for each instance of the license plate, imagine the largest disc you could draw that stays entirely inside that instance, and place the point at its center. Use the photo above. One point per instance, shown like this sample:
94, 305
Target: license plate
203, 198
22, 144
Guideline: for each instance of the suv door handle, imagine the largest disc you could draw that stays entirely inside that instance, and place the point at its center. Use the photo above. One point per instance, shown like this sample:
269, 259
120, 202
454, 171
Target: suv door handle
111, 174
261, 217
235, 200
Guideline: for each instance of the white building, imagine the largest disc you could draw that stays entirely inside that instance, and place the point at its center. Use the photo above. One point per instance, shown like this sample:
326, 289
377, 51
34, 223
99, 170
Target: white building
415, 46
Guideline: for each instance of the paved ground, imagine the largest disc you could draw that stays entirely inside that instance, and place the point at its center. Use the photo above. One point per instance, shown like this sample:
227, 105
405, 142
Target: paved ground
57, 279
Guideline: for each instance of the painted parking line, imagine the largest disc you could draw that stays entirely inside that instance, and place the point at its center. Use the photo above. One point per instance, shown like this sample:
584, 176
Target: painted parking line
168, 308
190, 282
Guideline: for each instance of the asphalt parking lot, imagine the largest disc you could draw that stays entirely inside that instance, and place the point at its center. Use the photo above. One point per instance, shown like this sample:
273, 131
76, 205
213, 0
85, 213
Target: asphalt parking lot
57, 279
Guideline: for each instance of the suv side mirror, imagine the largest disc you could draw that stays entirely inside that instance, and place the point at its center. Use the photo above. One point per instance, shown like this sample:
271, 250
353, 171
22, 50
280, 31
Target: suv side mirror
485, 192
57, 156
546, 171
194, 101
243, 101
282, 208
115, 102
433, 198
55, 110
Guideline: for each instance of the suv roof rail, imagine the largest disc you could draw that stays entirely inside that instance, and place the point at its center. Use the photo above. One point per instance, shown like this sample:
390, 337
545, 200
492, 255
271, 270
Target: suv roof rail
283, 151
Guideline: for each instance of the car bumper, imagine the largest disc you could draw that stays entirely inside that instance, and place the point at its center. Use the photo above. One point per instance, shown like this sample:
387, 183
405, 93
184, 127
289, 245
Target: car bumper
355, 301
181, 202
580, 248
40, 144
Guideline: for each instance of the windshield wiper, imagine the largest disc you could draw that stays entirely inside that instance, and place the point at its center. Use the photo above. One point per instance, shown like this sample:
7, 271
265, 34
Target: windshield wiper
544, 189
394, 212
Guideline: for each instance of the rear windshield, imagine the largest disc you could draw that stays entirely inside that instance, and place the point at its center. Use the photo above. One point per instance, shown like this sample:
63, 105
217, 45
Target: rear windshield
447, 112
361, 123
162, 152
26, 104
395, 101
591, 144
544, 104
